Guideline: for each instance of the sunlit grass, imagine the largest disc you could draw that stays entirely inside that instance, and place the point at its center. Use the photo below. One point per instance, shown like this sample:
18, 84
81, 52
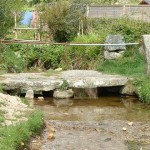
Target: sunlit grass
17, 136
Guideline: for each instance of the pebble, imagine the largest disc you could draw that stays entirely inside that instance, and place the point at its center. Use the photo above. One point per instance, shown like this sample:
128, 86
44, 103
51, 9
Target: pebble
40, 98
124, 129
130, 123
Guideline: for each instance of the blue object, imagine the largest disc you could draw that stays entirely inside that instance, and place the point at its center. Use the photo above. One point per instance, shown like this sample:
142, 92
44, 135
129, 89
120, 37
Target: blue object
27, 17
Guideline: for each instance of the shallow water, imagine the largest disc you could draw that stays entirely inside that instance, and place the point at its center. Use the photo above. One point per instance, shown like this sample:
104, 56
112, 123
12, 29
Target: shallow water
126, 108
87, 124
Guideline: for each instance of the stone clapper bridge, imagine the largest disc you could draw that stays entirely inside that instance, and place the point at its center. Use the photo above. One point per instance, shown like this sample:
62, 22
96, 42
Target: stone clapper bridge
92, 82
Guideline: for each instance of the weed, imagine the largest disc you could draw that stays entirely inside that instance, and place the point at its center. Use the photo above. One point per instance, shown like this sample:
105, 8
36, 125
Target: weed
52, 73
25, 101
64, 85
13, 136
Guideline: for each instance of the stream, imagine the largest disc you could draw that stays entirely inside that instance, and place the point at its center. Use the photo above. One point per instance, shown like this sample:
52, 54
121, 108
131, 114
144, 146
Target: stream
105, 123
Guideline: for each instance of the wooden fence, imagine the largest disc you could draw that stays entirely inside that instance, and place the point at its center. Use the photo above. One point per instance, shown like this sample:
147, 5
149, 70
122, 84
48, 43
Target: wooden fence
139, 12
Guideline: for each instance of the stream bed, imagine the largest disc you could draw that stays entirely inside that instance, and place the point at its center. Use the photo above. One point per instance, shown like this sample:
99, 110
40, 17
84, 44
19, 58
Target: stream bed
106, 123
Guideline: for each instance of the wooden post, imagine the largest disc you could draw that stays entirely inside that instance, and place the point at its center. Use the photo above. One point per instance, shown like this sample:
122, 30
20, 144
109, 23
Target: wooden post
79, 28
27, 49
124, 10
87, 11
82, 30
0, 50
66, 55
16, 32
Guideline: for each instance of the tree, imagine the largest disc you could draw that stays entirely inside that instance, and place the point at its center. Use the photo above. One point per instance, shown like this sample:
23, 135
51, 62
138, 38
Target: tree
7, 9
62, 19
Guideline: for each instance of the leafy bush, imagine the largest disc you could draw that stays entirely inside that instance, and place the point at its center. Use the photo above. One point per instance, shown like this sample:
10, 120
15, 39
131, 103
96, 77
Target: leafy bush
12, 61
62, 19
85, 57
131, 29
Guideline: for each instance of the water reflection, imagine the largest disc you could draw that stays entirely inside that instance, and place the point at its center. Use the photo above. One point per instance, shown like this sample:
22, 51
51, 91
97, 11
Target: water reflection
126, 108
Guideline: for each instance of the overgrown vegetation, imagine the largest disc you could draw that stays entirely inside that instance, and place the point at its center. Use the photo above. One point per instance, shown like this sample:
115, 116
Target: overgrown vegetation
17, 137
7, 12
63, 21
130, 28
64, 85
79, 57
131, 64
143, 83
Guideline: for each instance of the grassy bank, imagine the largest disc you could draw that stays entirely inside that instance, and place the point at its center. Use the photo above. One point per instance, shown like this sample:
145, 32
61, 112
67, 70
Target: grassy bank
133, 65
17, 137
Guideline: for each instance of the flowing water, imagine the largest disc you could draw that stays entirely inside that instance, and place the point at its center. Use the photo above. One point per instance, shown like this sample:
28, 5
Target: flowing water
106, 123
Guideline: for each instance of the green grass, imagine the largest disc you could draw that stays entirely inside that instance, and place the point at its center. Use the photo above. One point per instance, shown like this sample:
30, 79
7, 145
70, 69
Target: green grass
1, 116
143, 88
132, 65
52, 73
2, 113
25, 101
12, 137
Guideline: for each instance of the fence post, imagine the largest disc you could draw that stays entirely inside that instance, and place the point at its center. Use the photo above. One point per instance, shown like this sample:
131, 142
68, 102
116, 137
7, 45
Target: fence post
124, 10
0, 50
16, 32
146, 46
27, 58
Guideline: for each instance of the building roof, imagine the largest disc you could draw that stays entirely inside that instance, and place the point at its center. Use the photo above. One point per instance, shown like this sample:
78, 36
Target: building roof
145, 2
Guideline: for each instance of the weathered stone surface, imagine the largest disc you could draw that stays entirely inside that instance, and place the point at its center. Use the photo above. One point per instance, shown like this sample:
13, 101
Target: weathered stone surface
128, 89
115, 39
85, 93
146, 45
14, 109
63, 94
29, 94
92, 79
58, 69
113, 55
40, 98
74, 78
34, 81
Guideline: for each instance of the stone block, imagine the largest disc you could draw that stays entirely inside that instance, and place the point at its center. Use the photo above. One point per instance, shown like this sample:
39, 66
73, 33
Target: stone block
29, 94
80, 93
63, 94
115, 39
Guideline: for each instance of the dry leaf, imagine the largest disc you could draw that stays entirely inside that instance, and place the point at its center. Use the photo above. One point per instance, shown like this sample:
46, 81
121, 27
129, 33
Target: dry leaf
21, 143
51, 136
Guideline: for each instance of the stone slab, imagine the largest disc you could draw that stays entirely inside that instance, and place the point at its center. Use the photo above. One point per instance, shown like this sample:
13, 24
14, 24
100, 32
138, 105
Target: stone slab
75, 79
115, 39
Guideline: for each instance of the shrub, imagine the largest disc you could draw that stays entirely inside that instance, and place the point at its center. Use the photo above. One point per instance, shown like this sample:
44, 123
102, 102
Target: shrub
85, 57
12, 61
131, 29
